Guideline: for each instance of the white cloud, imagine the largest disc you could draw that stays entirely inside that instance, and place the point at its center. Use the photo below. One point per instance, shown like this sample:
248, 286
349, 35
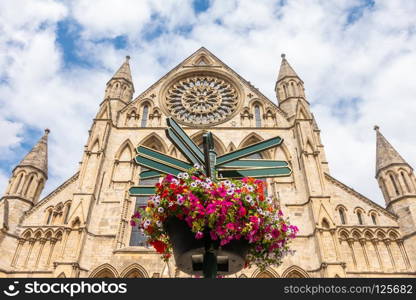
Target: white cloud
370, 60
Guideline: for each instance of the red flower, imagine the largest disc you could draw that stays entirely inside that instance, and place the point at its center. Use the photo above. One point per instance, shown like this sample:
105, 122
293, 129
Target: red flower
159, 246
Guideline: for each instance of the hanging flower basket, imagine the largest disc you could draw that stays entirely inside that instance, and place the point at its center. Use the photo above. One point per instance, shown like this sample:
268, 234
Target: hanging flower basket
190, 210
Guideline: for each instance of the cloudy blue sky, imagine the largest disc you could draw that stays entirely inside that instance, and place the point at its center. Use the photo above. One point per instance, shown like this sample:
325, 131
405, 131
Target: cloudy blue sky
356, 57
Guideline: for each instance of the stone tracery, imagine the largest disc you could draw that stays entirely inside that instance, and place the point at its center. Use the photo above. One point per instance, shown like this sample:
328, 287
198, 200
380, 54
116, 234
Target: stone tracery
202, 99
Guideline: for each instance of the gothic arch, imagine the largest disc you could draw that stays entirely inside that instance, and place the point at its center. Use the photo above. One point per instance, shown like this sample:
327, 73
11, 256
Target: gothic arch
393, 234
147, 102
302, 112
325, 223
95, 146
231, 147
254, 138
27, 234
284, 151
104, 271
268, 273
134, 271
355, 233
125, 146
295, 272
381, 234
368, 234
343, 234
20, 179
155, 142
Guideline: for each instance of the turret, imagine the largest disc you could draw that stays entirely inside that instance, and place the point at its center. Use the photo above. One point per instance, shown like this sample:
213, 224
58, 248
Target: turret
119, 91
289, 89
26, 184
397, 182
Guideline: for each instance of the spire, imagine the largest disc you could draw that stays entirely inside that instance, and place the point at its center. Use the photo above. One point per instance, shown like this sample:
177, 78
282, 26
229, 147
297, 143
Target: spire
124, 71
386, 154
38, 156
285, 69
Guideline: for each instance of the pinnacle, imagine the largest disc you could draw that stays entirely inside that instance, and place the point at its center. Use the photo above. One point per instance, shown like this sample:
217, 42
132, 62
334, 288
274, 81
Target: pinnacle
285, 69
124, 71
386, 154
38, 156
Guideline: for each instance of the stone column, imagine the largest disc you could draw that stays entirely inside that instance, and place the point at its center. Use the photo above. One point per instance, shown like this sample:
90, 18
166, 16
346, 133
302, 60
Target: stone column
20, 244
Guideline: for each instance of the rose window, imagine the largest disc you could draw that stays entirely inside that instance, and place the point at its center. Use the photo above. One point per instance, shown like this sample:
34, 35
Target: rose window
200, 100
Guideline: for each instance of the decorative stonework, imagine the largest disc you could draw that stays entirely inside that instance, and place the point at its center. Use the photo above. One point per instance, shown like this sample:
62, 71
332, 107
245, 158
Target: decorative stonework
202, 100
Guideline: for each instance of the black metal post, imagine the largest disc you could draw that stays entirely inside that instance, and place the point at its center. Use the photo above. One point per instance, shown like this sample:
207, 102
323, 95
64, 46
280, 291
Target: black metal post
209, 263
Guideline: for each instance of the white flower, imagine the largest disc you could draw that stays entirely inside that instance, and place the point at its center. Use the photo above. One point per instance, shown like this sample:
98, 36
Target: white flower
159, 224
157, 197
227, 182
175, 181
249, 198
268, 236
193, 184
160, 210
250, 188
180, 199
146, 224
260, 211
208, 180
185, 175
180, 175
197, 166
232, 185
157, 202
230, 192
170, 204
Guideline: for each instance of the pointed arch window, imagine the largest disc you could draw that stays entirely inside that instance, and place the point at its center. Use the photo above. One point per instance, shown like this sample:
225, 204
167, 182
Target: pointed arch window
342, 216
374, 219
145, 115
405, 181
68, 207
360, 218
28, 186
48, 221
16, 188
396, 189
257, 115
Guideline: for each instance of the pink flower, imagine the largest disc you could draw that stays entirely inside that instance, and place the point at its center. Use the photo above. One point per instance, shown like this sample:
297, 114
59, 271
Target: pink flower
230, 226
132, 223
213, 235
284, 227
275, 233
294, 228
199, 235
242, 211
280, 213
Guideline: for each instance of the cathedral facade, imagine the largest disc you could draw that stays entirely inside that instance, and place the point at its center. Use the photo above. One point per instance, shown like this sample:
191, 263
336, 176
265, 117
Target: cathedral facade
82, 229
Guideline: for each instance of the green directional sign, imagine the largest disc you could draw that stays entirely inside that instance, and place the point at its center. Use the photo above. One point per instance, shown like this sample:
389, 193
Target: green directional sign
142, 190
149, 174
256, 173
249, 150
163, 158
254, 163
180, 144
230, 165
176, 131
158, 166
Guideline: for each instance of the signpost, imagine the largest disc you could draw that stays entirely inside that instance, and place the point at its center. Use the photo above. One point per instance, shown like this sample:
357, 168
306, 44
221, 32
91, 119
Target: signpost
229, 165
